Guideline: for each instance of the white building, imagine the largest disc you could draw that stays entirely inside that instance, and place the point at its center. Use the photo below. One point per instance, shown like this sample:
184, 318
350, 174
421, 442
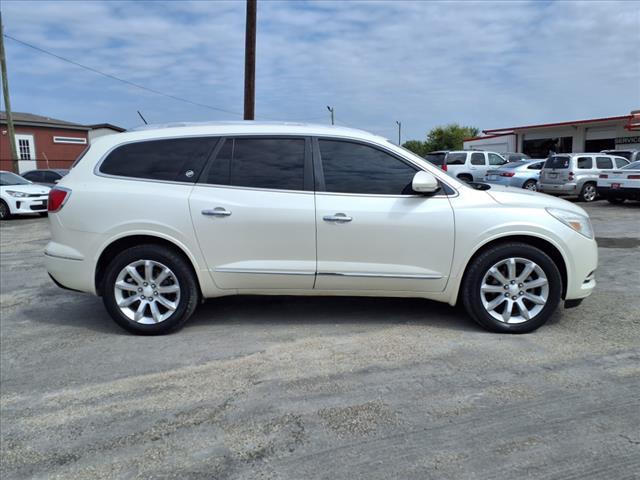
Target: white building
102, 129
593, 135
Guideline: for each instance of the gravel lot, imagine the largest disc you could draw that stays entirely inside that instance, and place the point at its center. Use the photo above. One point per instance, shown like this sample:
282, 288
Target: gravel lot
281, 387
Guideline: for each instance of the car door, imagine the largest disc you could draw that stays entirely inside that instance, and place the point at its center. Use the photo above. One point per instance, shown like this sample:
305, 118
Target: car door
494, 161
373, 231
477, 165
254, 214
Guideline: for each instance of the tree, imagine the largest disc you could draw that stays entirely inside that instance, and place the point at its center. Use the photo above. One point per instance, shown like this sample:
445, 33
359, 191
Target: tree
445, 137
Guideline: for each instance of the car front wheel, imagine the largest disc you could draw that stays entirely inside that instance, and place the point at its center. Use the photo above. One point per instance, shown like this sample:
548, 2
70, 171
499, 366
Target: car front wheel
588, 193
512, 288
150, 290
5, 213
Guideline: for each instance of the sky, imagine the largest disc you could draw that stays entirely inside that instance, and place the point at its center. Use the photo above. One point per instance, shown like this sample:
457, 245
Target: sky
484, 64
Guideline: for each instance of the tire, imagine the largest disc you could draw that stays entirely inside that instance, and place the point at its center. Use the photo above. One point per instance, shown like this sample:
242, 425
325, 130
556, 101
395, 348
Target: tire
181, 290
496, 320
531, 185
616, 200
465, 178
5, 212
588, 193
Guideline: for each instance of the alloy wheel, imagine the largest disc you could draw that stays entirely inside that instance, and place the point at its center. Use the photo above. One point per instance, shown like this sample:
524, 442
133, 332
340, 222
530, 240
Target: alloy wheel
147, 292
589, 193
514, 290
531, 186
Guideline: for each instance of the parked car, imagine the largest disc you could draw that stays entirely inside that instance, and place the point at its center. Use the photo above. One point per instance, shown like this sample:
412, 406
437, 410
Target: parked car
521, 174
19, 196
576, 174
515, 156
48, 177
620, 185
158, 219
472, 165
438, 158
631, 155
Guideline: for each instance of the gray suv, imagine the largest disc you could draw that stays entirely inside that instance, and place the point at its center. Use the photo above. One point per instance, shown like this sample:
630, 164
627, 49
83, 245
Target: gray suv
576, 174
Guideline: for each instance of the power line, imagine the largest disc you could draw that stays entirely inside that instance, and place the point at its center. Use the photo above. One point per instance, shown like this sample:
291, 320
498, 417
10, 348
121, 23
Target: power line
113, 77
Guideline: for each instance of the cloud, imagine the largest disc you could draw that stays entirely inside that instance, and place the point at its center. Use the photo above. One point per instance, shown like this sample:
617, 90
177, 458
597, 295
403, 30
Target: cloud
488, 64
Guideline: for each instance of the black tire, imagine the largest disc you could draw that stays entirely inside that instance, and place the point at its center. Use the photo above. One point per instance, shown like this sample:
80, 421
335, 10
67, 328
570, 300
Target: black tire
588, 193
189, 292
479, 266
530, 185
465, 178
5, 213
616, 200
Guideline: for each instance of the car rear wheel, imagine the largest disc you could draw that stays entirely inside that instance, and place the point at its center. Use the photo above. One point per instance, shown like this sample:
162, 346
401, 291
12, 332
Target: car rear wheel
5, 213
588, 192
531, 185
512, 288
150, 290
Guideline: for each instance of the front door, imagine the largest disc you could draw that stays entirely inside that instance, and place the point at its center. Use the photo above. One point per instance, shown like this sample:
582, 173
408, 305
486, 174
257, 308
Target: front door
26, 152
254, 214
374, 232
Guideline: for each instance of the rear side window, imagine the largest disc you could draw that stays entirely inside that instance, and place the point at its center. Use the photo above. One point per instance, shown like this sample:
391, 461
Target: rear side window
495, 159
477, 158
536, 166
355, 168
557, 162
604, 162
177, 159
435, 158
585, 163
274, 163
456, 158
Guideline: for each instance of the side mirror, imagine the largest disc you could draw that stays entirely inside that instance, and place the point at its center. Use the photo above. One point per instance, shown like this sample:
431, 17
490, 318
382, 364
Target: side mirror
424, 182
57, 180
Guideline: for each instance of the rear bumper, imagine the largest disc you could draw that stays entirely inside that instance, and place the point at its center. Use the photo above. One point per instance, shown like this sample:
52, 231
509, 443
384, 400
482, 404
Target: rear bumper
558, 188
69, 273
628, 193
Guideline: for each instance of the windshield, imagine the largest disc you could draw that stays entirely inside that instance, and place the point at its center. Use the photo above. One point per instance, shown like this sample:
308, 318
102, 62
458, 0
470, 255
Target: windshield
632, 166
621, 153
8, 178
557, 162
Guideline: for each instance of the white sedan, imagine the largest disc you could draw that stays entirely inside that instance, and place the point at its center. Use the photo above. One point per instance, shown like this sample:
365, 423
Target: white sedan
620, 185
19, 196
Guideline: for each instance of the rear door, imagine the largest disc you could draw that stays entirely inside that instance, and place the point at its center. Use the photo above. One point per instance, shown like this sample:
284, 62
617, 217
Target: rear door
374, 232
254, 216
556, 170
478, 165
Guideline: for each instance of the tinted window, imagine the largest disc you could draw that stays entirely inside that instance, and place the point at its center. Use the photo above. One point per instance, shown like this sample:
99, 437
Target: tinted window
456, 158
495, 159
33, 176
178, 159
557, 162
51, 177
585, 163
477, 158
276, 163
435, 158
536, 166
621, 162
604, 162
355, 168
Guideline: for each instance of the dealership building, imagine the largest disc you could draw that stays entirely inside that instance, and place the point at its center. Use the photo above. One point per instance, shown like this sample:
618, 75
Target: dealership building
591, 135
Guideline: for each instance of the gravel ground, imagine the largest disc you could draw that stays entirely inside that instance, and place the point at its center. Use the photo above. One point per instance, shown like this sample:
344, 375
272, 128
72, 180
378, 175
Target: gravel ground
282, 387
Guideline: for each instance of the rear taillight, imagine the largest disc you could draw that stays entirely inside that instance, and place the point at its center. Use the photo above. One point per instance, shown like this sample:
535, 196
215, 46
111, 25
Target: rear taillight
634, 177
507, 174
58, 196
603, 175
444, 167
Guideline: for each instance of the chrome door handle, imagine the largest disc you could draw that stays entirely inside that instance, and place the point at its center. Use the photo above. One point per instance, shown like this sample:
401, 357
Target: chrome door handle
217, 212
338, 218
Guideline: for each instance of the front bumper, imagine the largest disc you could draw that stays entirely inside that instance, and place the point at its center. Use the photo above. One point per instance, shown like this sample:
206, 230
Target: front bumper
558, 188
628, 193
27, 205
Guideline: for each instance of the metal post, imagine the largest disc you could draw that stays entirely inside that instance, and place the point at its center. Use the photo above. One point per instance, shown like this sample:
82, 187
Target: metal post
5, 91
399, 132
250, 62
331, 109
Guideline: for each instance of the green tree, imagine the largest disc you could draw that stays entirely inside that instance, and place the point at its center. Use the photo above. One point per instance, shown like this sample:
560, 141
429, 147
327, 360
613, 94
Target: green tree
449, 137
416, 146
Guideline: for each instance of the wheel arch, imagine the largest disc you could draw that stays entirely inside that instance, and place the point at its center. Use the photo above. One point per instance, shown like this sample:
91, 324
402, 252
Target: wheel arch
543, 244
120, 244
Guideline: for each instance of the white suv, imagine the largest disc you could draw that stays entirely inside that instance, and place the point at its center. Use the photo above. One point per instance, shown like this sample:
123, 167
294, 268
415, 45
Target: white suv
156, 220
472, 165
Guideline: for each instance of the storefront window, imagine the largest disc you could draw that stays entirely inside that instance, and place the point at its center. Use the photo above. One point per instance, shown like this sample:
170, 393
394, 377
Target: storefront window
541, 148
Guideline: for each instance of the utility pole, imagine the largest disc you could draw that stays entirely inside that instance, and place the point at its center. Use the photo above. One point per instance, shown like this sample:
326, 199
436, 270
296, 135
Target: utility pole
331, 109
399, 132
5, 91
250, 62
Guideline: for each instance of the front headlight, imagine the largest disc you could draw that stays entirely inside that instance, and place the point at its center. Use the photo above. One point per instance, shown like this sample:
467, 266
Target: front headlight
577, 222
13, 193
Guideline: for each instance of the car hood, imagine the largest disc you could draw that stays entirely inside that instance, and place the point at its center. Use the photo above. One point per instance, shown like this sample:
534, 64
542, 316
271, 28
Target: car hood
30, 189
526, 198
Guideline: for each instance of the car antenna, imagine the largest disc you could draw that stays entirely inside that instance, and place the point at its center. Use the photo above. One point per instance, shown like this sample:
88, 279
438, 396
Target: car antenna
143, 119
